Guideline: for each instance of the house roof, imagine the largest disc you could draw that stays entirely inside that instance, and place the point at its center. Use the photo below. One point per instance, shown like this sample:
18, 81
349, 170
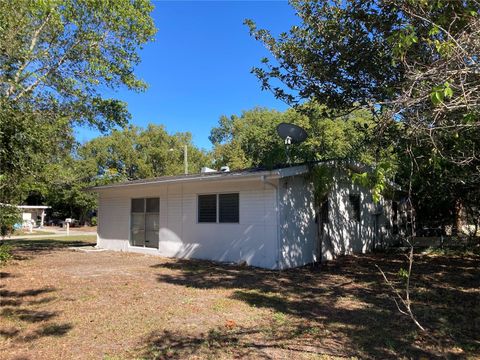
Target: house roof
280, 172
28, 206
33, 207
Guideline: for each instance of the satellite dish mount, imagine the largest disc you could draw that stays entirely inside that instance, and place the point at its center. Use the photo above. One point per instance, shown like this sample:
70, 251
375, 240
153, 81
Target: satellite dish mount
291, 134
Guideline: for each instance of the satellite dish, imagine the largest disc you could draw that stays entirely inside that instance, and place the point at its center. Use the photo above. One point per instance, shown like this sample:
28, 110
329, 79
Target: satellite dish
292, 134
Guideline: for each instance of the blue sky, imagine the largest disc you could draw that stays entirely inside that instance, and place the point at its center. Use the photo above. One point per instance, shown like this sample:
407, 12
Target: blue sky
199, 66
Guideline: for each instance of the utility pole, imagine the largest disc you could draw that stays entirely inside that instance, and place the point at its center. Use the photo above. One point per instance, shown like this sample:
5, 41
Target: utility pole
185, 159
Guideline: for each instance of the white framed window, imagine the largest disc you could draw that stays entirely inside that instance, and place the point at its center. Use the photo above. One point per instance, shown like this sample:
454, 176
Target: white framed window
219, 208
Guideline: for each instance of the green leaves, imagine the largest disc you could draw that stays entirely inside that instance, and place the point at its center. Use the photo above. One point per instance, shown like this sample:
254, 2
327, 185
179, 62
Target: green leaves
322, 179
403, 274
72, 48
9, 216
128, 154
338, 55
28, 140
402, 40
414, 64
251, 140
378, 179
57, 57
135, 153
443, 47
437, 95
440, 93
435, 30
447, 91
470, 118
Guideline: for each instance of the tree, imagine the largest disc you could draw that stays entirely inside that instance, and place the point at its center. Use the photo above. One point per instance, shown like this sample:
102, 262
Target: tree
129, 154
62, 185
61, 53
251, 139
55, 60
9, 216
412, 63
248, 140
135, 153
28, 140
376, 53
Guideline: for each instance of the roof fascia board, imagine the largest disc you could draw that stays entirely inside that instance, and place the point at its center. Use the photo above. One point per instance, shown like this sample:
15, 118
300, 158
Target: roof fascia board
33, 207
257, 176
293, 171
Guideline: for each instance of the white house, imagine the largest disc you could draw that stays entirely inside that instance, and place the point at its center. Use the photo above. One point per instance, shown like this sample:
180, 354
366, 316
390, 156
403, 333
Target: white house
30, 213
264, 218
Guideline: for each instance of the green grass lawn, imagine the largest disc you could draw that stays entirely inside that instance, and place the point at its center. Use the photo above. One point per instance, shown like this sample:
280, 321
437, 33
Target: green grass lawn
21, 232
47, 242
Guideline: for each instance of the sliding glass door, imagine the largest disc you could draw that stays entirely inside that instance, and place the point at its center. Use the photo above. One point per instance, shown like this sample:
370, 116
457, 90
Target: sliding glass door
145, 222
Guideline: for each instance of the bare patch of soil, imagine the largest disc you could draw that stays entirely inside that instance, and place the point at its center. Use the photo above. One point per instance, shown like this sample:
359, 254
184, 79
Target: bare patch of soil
84, 228
62, 304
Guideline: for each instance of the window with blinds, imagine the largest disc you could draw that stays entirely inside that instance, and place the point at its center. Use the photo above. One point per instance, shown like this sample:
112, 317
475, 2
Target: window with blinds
207, 208
228, 211
222, 208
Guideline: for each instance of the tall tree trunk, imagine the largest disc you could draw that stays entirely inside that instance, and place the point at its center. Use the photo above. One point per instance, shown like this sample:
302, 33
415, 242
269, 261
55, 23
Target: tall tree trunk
459, 216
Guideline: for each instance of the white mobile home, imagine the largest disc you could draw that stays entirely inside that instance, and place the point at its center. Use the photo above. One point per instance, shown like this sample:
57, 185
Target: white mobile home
264, 218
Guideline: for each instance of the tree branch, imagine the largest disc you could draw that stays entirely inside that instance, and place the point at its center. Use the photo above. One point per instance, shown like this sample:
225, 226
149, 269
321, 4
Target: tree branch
28, 58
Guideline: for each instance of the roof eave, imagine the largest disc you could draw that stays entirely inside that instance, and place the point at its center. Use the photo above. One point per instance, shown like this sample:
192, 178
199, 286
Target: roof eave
270, 174
219, 177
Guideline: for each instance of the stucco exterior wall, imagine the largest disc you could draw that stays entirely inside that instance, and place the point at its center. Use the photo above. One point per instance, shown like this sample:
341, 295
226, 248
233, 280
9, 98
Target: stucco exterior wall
253, 239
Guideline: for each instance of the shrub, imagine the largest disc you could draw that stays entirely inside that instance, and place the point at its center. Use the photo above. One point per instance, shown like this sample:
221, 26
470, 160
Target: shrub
5, 253
9, 216
93, 221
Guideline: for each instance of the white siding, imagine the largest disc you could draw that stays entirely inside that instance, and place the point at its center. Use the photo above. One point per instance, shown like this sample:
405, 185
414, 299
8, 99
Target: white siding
277, 227
343, 235
302, 243
253, 239
114, 222
297, 219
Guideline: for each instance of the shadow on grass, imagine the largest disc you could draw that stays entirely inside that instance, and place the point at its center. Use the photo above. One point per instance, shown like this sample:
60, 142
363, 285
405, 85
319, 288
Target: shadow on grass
25, 293
31, 316
175, 345
343, 305
23, 249
237, 343
51, 329
4, 275
22, 307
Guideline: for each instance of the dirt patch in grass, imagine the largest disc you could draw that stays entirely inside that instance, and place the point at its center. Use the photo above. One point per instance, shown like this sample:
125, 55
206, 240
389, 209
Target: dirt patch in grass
84, 228
58, 303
